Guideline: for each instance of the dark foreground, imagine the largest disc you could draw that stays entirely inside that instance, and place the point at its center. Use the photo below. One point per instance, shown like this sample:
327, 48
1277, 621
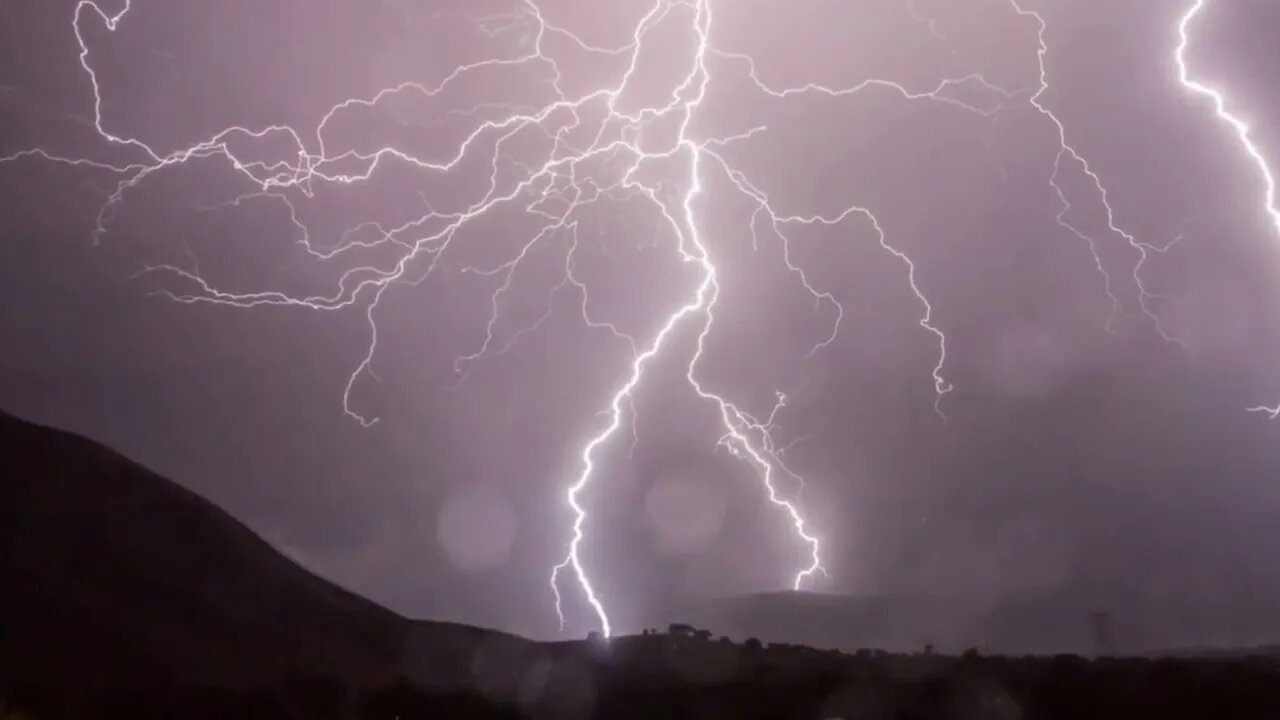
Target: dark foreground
124, 596
672, 677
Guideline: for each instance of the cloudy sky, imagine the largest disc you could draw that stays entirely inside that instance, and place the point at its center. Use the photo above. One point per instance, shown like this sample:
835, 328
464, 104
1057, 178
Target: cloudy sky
1080, 449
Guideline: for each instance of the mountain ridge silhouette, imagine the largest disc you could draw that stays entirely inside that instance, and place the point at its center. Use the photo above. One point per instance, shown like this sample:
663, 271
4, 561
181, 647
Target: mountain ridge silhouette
121, 575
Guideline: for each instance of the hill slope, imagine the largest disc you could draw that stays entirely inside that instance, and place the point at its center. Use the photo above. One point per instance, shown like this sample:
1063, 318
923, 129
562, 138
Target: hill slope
111, 576
110, 573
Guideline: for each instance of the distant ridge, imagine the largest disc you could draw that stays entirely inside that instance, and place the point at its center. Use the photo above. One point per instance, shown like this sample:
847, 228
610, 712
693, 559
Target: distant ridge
1210, 652
1035, 621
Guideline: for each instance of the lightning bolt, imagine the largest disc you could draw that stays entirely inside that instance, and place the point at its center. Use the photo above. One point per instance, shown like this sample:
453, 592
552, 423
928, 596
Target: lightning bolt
593, 149
1067, 152
1238, 126
929, 22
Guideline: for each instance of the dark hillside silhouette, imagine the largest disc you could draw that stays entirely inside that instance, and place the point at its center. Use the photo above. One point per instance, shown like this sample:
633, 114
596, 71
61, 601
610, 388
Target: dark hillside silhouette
111, 573
124, 596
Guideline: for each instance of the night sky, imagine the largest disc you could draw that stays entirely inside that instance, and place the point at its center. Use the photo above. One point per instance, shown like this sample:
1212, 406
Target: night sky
1080, 450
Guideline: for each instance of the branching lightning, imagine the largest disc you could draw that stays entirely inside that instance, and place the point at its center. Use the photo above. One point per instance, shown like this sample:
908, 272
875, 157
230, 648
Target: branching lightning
1067, 152
568, 179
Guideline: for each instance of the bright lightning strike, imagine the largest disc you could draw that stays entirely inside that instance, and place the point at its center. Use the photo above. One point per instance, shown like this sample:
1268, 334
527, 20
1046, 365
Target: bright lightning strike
567, 179
1237, 125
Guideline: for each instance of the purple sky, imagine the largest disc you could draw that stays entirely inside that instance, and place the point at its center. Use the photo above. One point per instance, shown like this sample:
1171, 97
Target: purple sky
1100, 463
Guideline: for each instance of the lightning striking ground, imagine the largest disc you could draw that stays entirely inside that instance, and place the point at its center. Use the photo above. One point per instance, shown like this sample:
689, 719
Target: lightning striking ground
588, 160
